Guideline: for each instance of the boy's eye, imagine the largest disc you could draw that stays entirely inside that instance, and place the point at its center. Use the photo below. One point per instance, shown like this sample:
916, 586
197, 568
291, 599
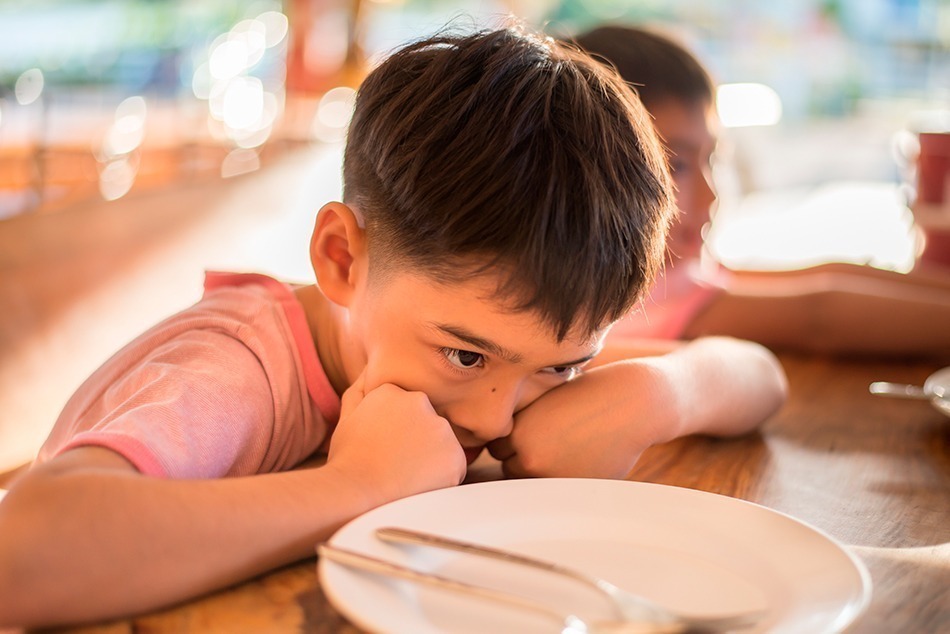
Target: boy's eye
464, 359
566, 372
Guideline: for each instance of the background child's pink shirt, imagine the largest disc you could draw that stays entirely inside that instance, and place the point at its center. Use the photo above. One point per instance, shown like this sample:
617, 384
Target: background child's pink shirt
676, 299
231, 386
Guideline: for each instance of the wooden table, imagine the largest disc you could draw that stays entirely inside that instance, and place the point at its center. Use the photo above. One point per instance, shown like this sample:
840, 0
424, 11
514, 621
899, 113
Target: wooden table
872, 472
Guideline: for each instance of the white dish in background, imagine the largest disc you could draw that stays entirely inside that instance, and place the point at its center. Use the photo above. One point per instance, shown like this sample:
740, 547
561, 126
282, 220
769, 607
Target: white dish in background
693, 551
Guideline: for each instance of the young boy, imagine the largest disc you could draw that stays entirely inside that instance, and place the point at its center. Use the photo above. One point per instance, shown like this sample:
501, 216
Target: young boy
505, 201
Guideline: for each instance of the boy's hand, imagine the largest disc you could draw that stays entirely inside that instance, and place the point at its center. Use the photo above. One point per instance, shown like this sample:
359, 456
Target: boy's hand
594, 426
391, 443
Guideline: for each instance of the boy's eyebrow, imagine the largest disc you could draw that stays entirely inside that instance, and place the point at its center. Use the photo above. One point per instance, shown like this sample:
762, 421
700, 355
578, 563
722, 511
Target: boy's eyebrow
580, 361
486, 344
480, 342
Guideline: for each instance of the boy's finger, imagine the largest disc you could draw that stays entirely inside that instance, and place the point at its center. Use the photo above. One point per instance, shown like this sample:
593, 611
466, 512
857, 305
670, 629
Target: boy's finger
501, 448
511, 468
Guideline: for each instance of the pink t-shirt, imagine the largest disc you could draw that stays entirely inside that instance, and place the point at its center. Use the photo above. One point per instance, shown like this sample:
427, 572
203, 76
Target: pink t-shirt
676, 299
230, 386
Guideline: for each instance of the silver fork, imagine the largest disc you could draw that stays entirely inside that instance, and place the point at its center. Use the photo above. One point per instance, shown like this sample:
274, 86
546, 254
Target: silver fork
568, 623
627, 606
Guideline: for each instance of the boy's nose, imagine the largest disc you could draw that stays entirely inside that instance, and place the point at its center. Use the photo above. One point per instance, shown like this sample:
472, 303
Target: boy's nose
488, 417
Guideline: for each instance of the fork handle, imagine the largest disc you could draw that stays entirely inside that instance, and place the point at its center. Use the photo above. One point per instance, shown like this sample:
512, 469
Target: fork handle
570, 624
646, 608
418, 538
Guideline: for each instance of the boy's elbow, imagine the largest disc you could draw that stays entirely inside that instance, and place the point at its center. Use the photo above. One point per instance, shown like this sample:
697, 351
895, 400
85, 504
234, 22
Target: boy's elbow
769, 384
21, 587
756, 387
774, 379
31, 573
14, 609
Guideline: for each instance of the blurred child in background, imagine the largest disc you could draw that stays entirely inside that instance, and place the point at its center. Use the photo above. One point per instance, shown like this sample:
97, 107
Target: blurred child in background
833, 308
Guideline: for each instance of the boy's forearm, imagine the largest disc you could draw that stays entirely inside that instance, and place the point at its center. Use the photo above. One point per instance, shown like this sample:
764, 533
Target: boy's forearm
598, 424
166, 540
723, 386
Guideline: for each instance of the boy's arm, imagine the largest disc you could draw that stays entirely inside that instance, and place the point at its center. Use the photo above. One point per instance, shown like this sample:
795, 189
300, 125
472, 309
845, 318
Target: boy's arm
86, 537
598, 424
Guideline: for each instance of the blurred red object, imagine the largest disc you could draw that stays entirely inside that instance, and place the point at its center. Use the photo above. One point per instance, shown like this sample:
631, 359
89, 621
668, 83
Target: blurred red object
937, 247
933, 168
934, 224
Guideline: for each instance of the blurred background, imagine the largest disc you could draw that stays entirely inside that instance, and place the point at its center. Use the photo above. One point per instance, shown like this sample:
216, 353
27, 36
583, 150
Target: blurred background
109, 96
144, 140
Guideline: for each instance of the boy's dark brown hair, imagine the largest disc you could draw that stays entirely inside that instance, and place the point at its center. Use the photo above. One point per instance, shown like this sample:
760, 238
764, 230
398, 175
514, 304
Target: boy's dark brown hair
508, 152
656, 66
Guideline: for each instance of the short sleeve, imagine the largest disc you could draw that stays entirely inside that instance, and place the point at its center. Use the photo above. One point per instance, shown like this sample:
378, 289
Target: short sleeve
197, 406
230, 386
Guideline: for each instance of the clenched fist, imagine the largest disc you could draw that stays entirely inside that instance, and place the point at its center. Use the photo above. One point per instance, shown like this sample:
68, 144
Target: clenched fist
392, 444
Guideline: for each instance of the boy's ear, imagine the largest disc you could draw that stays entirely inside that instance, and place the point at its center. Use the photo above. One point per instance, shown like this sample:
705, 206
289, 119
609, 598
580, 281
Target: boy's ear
338, 252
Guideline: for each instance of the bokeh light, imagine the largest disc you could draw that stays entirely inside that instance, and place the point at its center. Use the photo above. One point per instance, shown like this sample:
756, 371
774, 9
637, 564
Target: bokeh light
128, 128
333, 114
275, 27
117, 177
29, 86
242, 108
240, 161
748, 104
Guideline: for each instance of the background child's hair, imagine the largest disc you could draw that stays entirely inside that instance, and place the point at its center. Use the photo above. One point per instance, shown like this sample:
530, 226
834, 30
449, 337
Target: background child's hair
657, 67
509, 152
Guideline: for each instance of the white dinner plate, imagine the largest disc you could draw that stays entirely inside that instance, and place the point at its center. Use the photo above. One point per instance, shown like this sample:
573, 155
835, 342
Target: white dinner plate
693, 551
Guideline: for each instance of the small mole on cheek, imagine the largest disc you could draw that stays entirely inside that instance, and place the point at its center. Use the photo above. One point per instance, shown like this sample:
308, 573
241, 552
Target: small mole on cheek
494, 389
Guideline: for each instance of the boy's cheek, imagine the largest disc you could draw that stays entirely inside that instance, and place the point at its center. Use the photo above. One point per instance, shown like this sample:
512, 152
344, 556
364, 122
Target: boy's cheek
403, 377
377, 373
372, 378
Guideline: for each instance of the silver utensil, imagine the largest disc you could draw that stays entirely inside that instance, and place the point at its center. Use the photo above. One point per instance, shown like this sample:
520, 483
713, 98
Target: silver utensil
935, 389
568, 623
899, 390
627, 606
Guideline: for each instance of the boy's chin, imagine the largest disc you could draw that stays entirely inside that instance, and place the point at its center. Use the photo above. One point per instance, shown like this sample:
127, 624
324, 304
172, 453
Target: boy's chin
472, 453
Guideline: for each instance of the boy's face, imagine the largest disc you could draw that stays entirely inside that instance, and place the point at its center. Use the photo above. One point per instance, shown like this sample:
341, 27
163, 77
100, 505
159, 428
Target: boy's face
476, 361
